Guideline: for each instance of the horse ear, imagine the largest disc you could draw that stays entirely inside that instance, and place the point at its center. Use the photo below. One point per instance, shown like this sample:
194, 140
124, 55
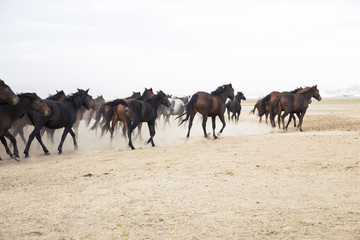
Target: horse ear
78, 89
87, 90
1, 81
316, 86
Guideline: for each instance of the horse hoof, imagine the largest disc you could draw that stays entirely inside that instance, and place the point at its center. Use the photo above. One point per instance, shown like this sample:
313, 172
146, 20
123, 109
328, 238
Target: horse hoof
47, 153
17, 159
27, 156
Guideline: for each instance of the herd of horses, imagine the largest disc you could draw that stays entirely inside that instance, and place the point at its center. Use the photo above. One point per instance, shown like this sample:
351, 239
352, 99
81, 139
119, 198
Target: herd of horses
66, 111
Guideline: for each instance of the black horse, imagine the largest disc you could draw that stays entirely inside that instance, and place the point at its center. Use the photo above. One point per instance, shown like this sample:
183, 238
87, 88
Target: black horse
20, 124
63, 115
208, 105
235, 106
137, 111
9, 113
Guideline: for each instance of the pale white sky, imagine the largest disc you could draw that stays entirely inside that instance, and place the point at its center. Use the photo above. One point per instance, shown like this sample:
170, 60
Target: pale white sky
116, 47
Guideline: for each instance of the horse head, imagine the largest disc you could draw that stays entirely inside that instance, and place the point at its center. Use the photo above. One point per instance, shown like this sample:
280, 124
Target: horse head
230, 92
240, 96
163, 98
84, 98
38, 104
6, 94
316, 93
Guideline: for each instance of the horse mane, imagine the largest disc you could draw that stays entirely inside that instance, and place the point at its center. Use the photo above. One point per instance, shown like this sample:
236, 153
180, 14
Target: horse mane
29, 95
220, 90
55, 96
304, 90
72, 96
296, 90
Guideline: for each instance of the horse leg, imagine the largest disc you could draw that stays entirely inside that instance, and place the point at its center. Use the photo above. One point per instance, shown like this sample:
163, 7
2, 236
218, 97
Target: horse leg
190, 123
66, 130
13, 141
151, 126
73, 134
51, 133
38, 137
283, 120
301, 118
130, 130
222, 119
213, 126
290, 117
112, 129
3, 141
204, 124
32, 135
138, 135
294, 119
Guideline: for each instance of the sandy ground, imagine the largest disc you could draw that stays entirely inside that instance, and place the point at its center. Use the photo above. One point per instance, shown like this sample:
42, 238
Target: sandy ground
254, 182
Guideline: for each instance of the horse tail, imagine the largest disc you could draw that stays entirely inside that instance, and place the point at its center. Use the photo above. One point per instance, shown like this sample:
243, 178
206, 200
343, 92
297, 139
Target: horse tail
111, 110
253, 111
188, 108
90, 116
275, 104
263, 104
98, 116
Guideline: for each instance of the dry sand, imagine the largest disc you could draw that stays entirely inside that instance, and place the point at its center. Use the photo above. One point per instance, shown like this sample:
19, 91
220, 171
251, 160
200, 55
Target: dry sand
254, 182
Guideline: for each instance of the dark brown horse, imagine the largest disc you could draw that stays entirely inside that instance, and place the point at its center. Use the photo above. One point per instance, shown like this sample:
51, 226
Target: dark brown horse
139, 111
90, 115
257, 107
104, 108
296, 103
118, 113
63, 115
266, 107
235, 106
19, 125
208, 105
7, 95
9, 113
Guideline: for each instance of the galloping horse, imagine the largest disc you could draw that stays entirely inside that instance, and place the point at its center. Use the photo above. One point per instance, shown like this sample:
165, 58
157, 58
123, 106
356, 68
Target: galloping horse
7, 95
138, 111
99, 100
235, 106
119, 114
63, 115
257, 107
211, 105
266, 106
9, 113
296, 103
19, 125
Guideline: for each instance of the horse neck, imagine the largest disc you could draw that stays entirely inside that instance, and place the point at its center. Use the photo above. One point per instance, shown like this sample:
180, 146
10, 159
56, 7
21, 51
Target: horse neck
223, 96
76, 102
154, 101
308, 94
23, 105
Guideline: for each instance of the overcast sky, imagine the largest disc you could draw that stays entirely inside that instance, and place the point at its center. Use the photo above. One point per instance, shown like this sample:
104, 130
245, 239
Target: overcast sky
116, 47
